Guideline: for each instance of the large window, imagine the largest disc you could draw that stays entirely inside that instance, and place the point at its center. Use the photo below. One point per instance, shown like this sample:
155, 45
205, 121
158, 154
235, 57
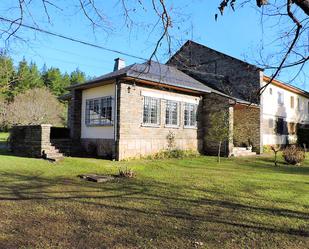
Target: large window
190, 115
171, 114
99, 111
151, 111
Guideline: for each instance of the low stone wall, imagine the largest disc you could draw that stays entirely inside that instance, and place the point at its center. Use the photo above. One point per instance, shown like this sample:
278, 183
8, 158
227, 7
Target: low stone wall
29, 140
99, 147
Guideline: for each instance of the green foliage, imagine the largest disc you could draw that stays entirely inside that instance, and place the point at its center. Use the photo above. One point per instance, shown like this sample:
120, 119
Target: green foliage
7, 75
293, 155
77, 77
54, 80
173, 153
219, 128
15, 80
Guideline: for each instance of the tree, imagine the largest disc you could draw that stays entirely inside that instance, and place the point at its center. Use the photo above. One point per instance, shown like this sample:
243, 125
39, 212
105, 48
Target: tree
28, 77
7, 75
54, 80
3, 113
33, 107
219, 129
77, 77
166, 23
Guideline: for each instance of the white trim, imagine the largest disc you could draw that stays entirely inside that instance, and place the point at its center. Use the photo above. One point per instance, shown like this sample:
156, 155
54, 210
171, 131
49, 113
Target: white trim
168, 97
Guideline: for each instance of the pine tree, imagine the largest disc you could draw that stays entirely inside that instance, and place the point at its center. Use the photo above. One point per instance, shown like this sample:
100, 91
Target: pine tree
7, 75
77, 77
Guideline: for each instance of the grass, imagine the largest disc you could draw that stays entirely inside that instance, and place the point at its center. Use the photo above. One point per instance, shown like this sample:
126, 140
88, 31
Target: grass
240, 203
4, 136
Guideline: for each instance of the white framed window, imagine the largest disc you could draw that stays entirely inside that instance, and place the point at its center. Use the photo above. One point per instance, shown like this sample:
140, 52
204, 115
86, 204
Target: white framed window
172, 113
99, 111
190, 115
151, 114
280, 98
298, 104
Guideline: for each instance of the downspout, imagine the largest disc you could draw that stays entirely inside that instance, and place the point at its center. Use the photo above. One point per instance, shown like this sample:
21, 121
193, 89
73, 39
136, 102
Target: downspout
115, 119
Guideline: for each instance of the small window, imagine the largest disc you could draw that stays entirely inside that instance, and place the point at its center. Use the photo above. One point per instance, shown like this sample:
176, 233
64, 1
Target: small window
280, 98
99, 111
270, 91
190, 115
171, 114
292, 102
298, 104
151, 111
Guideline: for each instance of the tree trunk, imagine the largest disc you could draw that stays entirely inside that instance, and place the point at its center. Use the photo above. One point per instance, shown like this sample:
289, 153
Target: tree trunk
219, 151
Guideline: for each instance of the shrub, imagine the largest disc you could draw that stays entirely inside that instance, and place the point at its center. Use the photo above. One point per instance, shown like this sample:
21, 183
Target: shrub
175, 153
293, 155
127, 173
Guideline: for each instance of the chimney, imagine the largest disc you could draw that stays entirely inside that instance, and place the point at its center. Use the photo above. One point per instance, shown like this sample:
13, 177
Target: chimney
119, 64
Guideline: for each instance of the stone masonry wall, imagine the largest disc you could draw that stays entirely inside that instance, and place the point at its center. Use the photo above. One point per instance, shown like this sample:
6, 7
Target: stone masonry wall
213, 103
75, 113
29, 140
247, 126
134, 139
241, 80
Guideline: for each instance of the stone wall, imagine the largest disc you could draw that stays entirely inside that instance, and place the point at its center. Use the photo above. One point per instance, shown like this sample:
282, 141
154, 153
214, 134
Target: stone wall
104, 148
134, 139
75, 114
213, 103
240, 79
29, 140
247, 127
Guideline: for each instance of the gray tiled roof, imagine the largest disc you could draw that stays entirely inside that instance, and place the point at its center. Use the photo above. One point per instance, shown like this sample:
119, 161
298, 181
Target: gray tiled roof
155, 72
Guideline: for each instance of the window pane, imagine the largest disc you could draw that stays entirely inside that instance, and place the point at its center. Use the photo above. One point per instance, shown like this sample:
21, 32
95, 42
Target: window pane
171, 113
99, 111
151, 109
190, 114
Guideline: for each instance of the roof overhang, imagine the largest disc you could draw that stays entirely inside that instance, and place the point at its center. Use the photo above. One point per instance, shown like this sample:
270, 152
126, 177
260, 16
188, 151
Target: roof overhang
286, 86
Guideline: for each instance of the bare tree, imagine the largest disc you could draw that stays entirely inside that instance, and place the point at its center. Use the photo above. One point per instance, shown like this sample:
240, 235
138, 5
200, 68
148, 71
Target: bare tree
292, 13
33, 107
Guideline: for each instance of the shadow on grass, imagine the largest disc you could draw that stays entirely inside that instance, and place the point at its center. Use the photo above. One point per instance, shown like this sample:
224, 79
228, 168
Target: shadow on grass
119, 195
267, 163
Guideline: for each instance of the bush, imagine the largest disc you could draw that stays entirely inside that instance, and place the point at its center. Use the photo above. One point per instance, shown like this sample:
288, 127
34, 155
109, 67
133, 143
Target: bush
293, 155
175, 153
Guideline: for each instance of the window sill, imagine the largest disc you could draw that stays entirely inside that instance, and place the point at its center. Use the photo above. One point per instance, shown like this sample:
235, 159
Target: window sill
171, 126
99, 125
151, 125
190, 127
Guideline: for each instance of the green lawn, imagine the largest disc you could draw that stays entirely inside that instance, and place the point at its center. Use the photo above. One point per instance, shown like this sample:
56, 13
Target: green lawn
241, 203
4, 136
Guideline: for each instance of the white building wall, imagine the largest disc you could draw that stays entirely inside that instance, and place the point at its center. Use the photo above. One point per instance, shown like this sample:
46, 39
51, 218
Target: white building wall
272, 110
97, 132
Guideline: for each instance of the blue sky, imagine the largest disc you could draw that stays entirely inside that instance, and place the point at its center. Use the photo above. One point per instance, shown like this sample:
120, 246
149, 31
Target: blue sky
238, 34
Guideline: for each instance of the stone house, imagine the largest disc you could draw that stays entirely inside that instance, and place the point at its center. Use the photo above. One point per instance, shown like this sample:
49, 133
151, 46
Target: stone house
130, 111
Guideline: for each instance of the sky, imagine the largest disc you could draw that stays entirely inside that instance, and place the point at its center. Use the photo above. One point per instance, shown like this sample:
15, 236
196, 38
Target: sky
239, 34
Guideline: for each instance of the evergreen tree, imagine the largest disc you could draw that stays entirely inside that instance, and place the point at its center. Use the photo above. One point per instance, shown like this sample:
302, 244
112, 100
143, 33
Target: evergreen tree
28, 77
7, 75
54, 80
77, 77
